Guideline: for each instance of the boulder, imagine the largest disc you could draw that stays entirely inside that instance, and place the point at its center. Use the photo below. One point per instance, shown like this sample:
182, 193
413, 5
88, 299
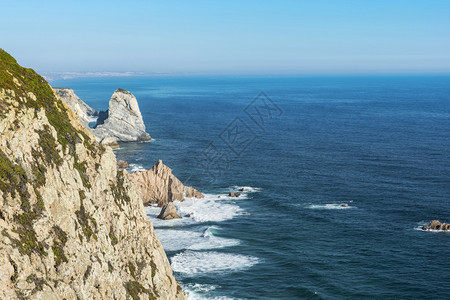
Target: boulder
111, 142
231, 194
435, 225
424, 227
169, 212
122, 121
121, 164
241, 189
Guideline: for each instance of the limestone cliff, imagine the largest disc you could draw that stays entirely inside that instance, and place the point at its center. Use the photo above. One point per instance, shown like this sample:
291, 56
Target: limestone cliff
159, 186
72, 226
122, 121
84, 111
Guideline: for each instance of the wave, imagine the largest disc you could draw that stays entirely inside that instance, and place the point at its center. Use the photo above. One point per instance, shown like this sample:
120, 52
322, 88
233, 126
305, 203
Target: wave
247, 189
198, 291
193, 262
430, 230
208, 209
330, 206
135, 167
176, 240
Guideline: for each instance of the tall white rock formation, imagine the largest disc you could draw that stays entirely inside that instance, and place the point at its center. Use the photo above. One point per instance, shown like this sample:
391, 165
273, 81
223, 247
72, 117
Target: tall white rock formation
122, 121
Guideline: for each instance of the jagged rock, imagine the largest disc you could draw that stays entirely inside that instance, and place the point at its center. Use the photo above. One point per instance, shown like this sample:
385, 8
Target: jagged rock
111, 142
169, 212
72, 224
122, 121
158, 185
86, 113
435, 225
121, 164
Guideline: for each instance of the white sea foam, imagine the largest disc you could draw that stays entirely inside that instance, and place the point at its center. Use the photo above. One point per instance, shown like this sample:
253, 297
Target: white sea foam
208, 209
135, 167
247, 189
330, 206
193, 262
430, 230
175, 240
200, 292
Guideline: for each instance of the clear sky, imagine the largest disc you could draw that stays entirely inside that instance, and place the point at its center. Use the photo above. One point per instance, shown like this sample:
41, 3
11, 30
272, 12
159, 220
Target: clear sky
229, 36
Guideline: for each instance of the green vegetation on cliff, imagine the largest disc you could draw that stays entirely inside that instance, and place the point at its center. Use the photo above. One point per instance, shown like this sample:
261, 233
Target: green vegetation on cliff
24, 80
29, 90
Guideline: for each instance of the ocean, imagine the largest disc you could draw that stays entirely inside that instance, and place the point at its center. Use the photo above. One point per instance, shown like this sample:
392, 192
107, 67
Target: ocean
338, 176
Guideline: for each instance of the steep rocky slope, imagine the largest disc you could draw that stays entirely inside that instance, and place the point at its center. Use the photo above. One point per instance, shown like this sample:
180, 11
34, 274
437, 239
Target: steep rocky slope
84, 111
71, 224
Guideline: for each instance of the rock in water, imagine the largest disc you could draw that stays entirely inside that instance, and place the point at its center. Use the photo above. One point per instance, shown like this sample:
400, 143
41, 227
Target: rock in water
435, 225
81, 109
122, 121
72, 225
169, 212
158, 185
121, 164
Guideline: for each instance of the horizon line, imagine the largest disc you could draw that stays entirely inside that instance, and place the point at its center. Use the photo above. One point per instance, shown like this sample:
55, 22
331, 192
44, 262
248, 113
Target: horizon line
53, 76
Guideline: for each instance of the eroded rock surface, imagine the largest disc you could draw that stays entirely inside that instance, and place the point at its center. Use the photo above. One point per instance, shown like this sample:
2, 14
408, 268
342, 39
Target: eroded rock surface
72, 225
122, 121
86, 113
169, 212
159, 186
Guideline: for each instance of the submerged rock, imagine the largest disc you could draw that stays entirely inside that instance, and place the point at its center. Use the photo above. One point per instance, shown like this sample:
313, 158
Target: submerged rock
169, 212
158, 185
123, 120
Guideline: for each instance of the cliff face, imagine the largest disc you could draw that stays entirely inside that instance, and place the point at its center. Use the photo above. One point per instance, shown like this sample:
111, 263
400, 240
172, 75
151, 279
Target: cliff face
122, 121
84, 111
159, 186
71, 224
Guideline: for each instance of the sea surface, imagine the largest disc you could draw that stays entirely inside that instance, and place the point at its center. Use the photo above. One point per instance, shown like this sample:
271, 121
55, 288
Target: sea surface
338, 175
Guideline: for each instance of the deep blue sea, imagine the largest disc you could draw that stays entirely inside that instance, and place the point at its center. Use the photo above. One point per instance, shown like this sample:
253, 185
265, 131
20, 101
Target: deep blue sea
338, 173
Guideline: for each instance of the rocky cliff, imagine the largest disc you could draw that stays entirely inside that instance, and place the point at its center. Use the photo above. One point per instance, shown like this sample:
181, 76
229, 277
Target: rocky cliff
84, 111
159, 186
122, 121
72, 226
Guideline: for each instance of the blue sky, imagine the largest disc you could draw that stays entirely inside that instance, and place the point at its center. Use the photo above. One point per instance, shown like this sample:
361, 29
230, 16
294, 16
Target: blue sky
229, 36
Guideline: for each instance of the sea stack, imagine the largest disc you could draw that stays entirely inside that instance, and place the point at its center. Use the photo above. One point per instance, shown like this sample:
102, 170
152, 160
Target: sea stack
122, 121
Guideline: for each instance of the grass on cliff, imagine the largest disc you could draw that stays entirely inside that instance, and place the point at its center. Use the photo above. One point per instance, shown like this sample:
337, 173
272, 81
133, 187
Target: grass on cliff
18, 82
29, 81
